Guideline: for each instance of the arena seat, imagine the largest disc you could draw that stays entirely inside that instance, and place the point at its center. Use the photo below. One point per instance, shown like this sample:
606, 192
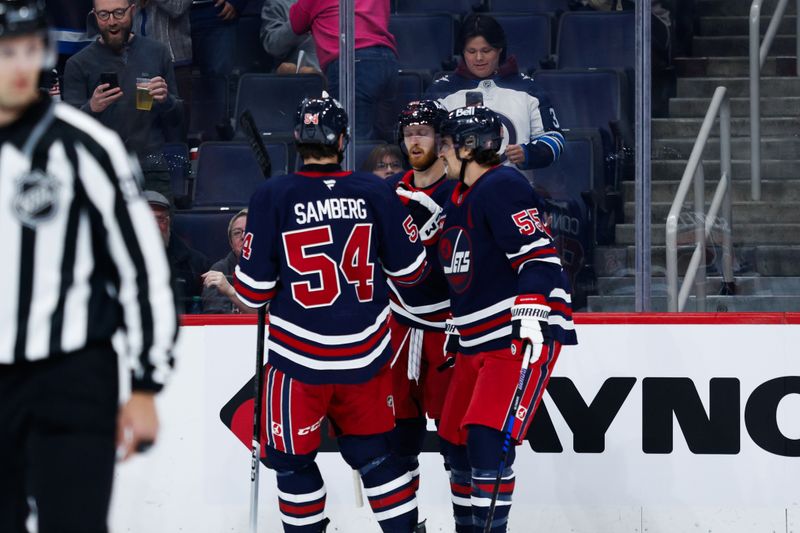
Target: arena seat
528, 36
206, 232
177, 156
410, 86
273, 99
227, 173
593, 98
424, 41
460, 7
596, 39
530, 6
209, 106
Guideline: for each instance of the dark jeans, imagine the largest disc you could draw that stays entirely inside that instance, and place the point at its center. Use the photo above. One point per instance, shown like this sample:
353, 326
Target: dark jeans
376, 91
57, 441
213, 42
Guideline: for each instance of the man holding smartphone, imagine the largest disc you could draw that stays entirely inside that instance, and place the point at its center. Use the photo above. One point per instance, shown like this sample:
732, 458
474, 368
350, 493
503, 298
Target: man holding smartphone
103, 80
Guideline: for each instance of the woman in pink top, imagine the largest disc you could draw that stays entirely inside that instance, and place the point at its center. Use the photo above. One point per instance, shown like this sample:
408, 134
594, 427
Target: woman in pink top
376, 58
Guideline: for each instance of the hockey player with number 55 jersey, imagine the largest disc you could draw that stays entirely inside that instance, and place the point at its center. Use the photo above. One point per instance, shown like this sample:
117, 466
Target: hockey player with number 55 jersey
319, 246
508, 294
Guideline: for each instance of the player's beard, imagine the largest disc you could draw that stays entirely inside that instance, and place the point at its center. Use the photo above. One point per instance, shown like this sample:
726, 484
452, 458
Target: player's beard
422, 162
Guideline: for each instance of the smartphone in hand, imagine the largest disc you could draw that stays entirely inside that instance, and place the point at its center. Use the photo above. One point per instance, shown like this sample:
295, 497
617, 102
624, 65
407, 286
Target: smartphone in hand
110, 78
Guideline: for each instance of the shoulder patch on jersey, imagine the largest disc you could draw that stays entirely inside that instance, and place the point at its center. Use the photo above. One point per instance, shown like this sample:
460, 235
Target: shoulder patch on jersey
36, 198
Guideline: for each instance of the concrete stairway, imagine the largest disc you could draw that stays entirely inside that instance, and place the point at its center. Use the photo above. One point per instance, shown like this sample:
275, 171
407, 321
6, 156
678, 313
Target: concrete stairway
767, 233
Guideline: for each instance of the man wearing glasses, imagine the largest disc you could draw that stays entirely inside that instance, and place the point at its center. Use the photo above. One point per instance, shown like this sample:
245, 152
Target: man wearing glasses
127, 82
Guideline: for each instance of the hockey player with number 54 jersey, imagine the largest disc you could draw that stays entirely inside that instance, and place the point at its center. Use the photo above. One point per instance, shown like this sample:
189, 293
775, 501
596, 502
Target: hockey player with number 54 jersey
319, 246
509, 296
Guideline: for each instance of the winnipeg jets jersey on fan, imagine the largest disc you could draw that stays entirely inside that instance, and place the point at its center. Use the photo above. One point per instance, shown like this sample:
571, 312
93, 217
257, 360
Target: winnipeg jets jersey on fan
528, 119
426, 305
494, 246
319, 245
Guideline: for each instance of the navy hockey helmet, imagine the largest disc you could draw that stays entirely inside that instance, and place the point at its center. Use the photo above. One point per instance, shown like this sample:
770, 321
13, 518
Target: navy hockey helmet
21, 17
320, 121
428, 112
475, 127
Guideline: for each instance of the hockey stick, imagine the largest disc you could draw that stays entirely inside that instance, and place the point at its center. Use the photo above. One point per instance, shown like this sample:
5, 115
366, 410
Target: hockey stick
248, 126
255, 458
527, 350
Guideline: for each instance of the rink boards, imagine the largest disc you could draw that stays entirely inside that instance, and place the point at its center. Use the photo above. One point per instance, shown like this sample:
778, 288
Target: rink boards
653, 423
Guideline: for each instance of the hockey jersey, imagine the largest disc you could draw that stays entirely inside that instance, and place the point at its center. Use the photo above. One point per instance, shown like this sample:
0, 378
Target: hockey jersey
494, 246
319, 245
525, 111
426, 305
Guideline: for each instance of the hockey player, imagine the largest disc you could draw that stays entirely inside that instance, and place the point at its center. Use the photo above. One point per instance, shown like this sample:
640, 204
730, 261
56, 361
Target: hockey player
508, 293
82, 261
420, 370
319, 245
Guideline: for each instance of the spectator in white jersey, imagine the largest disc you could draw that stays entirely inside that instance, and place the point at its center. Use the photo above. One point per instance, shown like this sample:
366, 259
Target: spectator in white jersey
486, 76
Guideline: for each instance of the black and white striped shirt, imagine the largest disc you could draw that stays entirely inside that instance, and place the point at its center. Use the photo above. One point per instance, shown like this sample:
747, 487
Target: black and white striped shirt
83, 256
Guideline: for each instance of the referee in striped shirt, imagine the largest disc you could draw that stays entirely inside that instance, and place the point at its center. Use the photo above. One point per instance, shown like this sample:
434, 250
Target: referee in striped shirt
83, 260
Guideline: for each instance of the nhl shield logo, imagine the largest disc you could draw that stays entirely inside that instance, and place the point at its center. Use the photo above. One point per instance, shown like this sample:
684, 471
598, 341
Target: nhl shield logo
36, 198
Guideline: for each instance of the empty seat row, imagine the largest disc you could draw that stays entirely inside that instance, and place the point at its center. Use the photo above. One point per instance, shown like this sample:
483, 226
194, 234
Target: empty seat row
228, 174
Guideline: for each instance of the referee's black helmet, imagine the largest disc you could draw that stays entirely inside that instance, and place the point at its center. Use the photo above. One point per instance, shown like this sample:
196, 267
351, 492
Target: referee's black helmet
22, 17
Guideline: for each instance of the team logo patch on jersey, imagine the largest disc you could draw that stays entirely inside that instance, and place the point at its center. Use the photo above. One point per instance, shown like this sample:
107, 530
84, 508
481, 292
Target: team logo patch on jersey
455, 255
36, 198
277, 429
329, 184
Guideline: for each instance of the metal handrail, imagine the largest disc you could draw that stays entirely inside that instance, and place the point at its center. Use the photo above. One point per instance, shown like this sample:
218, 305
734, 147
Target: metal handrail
704, 223
758, 54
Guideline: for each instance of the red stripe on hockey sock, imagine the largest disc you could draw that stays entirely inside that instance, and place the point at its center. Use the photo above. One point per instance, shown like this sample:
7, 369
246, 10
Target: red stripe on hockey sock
301, 509
460, 490
559, 307
506, 487
294, 342
378, 503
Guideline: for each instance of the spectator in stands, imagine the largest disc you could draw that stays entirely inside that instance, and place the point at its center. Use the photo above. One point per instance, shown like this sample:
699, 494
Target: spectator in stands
532, 136
376, 58
167, 21
384, 160
187, 265
141, 69
282, 43
218, 294
213, 25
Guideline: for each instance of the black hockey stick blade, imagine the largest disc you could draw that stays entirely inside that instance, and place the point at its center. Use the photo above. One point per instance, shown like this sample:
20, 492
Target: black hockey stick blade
248, 125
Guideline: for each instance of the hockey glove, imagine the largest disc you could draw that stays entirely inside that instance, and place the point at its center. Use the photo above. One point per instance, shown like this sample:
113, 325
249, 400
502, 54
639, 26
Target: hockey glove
424, 211
450, 348
529, 324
